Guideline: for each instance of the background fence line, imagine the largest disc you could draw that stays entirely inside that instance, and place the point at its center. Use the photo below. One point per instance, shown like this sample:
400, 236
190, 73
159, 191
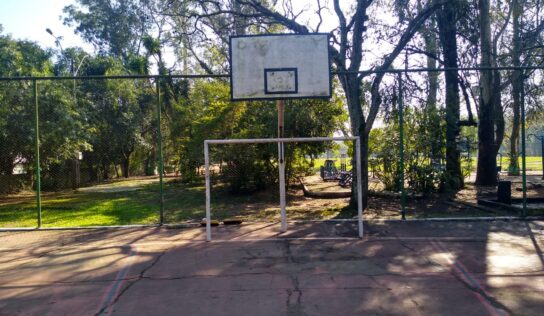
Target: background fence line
160, 155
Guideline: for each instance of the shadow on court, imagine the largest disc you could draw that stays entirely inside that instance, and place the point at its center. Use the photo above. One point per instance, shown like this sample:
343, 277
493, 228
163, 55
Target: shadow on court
446, 268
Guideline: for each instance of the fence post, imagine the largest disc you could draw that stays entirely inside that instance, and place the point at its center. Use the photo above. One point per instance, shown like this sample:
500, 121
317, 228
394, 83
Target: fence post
37, 140
401, 163
523, 158
161, 161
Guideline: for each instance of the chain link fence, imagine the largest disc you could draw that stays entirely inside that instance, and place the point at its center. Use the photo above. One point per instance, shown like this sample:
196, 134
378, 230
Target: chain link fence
123, 150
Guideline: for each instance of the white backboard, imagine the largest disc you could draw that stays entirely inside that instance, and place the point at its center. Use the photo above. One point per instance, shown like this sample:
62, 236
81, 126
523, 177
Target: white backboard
280, 66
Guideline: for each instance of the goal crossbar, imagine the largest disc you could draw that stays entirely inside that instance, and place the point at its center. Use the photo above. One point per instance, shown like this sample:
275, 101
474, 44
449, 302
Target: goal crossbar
282, 192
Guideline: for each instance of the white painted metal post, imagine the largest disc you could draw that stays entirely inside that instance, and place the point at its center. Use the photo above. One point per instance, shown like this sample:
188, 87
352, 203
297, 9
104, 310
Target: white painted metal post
208, 192
359, 187
281, 166
282, 190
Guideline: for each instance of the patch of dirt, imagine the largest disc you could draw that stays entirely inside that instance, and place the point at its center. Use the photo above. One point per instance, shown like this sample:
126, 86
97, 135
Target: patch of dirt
460, 204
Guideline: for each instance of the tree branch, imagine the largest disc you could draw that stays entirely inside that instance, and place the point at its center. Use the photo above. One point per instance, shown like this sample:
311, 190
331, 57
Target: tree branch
408, 34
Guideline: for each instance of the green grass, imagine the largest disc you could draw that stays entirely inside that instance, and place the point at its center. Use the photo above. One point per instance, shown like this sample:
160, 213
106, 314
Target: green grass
141, 206
533, 163
137, 201
83, 209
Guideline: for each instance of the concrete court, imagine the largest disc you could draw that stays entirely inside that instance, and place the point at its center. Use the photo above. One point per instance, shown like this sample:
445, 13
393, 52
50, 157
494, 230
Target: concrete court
412, 268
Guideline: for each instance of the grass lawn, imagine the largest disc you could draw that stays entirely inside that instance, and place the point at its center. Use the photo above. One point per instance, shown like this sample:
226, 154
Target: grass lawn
137, 201
533, 163
83, 209
132, 202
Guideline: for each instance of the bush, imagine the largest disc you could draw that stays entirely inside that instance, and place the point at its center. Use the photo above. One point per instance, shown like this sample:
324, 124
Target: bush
10, 184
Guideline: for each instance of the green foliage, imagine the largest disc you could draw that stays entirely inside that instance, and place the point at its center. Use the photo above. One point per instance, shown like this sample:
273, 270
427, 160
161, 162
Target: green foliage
120, 117
59, 123
208, 114
423, 151
115, 27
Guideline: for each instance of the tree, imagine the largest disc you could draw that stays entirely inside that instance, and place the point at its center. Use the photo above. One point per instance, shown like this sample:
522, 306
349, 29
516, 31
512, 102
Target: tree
347, 51
61, 128
114, 27
447, 20
516, 82
119, 113
527, 46
209, 113
491, 127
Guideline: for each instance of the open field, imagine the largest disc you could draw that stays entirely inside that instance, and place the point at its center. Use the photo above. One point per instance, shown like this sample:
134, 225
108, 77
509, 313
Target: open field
416, 268
137, 201
534, 163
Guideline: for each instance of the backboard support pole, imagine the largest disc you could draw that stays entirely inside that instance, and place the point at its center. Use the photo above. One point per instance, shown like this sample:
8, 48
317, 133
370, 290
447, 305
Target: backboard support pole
280, 104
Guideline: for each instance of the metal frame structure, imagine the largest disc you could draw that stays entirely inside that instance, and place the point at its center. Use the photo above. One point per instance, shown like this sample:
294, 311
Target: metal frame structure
35, 83
280, 142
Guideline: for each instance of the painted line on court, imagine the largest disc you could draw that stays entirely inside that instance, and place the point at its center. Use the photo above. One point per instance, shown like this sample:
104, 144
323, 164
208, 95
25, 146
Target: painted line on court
463, 272
113, 290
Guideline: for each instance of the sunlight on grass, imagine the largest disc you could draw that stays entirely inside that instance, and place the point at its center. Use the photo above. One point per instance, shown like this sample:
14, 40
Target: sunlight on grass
182, 203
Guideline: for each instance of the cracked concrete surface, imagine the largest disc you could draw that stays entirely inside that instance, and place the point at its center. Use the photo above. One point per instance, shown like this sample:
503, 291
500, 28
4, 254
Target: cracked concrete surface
416, 268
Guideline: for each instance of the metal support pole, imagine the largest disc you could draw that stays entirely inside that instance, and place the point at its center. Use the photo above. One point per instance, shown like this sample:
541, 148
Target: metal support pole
161, 159
359, 187
401, 141
37, 140
281, 165
208, 192
523, 158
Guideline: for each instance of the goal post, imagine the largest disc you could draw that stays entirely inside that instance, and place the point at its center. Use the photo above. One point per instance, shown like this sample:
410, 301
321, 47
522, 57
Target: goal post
281, 141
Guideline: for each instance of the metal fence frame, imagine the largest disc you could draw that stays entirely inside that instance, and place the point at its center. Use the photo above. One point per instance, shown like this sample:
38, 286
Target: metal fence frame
160, 159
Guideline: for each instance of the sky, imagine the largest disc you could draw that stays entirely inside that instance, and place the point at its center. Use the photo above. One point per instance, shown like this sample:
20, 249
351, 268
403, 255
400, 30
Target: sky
28, 19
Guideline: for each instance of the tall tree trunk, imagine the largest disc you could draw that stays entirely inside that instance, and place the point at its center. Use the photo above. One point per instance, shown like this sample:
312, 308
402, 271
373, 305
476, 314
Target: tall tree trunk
351, 84
105, 171
150, 163
126, 167
432, 48
447, 20
93, 172
239, 21
515, 79
489, 129
432, 118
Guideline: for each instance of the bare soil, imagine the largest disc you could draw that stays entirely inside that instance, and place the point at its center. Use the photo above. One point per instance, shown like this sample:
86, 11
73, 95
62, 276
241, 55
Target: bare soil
460, 204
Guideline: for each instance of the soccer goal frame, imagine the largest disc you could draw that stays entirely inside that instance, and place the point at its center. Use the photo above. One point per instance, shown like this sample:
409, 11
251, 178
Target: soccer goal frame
280, 142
